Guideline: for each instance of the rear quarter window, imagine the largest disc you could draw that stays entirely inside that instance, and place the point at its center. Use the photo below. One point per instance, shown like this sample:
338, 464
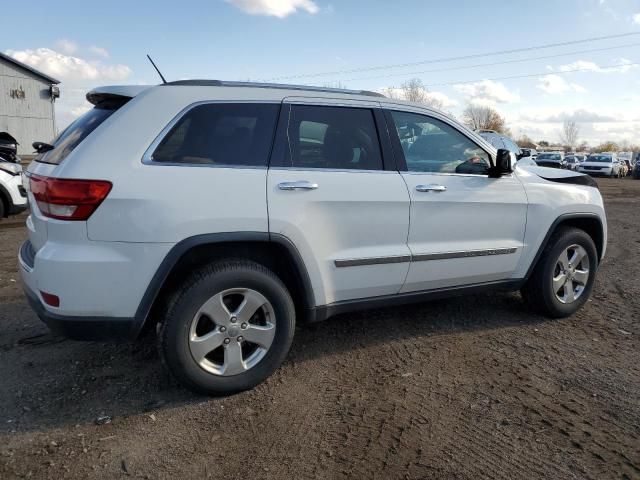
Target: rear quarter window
228, 134
80, 129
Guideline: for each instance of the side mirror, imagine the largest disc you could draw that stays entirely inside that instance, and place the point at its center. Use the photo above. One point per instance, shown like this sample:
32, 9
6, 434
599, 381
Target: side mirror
505, 160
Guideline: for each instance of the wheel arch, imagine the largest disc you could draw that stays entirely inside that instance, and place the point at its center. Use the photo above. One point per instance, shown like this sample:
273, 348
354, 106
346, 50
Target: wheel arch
590, 223
5, 199
274, 251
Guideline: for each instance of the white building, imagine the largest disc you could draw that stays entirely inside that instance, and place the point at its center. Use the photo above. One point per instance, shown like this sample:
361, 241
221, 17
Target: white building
27, 99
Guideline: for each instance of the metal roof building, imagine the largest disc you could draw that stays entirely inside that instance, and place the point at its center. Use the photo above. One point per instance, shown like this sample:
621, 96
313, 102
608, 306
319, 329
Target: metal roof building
27, 99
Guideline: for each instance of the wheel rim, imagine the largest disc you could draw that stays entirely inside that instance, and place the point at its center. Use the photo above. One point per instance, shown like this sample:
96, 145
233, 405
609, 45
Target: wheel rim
232, 331
571, 274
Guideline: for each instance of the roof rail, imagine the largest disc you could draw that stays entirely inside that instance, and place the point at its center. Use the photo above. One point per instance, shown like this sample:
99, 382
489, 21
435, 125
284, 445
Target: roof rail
221, 83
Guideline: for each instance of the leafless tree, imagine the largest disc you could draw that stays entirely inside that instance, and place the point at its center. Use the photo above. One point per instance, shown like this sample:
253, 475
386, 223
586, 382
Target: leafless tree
525, 142
570, 132
480, 117
414, 91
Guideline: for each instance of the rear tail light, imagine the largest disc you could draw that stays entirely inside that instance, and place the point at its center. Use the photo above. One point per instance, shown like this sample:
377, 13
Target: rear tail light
68, 199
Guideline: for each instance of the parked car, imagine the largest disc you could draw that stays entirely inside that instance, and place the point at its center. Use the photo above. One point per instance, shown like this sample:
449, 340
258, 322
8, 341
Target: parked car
572, 162
13, 197
636, 167
602, 164
8, 148
551, 159
287, 205
530, 152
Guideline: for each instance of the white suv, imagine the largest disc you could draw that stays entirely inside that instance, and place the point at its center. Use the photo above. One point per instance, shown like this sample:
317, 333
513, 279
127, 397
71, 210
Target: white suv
220, 214
13, 197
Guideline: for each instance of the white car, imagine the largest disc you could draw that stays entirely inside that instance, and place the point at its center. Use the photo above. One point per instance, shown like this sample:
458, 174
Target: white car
220, 214
13, 196
601, 164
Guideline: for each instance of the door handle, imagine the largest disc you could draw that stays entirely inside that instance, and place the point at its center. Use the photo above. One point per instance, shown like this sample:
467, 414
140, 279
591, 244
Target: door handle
298, 185
431, 188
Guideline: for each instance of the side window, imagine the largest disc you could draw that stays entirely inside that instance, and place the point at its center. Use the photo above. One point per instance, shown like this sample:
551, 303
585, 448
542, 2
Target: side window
221, 134
511, 146
332, 137
430, 145
496, 141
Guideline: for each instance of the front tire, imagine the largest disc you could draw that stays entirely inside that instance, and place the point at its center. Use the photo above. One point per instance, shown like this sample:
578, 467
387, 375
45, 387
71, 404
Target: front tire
228, 328
563, 278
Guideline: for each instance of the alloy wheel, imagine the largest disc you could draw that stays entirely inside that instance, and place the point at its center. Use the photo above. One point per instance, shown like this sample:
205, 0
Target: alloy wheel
232, 331
571, 274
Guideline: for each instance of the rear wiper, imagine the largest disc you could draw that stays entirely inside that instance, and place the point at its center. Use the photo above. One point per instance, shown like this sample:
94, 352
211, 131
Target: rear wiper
42, 147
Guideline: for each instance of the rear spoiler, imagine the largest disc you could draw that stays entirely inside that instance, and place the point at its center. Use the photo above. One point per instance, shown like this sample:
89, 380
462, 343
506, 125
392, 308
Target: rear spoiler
115, 92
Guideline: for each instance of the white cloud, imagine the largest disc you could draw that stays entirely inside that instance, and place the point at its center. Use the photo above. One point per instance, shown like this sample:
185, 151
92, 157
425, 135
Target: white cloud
275, 8
579, 115
487, 92
99, 51
636, 18
66, 46
555, 84
78, 76
69, 68
623, 66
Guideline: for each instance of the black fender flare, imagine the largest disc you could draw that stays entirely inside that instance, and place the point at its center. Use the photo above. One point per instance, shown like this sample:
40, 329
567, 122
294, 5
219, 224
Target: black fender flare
562, 218
182, 247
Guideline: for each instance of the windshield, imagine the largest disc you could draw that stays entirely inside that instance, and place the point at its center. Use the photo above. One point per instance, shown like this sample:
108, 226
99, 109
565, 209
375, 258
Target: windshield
75, 133
600, 158
549, 156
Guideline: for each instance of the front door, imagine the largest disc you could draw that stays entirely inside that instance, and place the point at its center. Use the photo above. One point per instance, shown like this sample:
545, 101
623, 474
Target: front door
466, 228
328, 193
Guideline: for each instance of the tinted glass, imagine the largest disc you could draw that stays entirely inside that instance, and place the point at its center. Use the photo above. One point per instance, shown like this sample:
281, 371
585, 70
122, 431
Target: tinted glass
221, 134
332, 137
430, 145
75, 133
511, 146
549, 156
600, 158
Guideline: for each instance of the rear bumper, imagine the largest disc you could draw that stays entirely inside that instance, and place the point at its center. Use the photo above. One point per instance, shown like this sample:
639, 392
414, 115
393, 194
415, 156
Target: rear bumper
83, 328
100, 286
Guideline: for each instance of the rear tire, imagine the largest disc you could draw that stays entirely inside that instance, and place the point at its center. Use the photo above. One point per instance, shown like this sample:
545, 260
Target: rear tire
553, 293
212, 342
3, 210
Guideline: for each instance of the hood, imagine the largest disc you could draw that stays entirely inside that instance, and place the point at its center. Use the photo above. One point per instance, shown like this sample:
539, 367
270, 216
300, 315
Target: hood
561, 176
6, 138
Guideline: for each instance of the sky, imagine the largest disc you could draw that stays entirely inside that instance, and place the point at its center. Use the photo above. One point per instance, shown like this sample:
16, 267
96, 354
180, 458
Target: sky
358, 44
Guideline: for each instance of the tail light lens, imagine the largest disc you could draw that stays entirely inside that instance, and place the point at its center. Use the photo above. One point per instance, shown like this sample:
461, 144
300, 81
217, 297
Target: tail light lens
68, 199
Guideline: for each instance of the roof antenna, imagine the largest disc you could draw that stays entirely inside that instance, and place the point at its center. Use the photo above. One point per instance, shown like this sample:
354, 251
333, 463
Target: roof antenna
157, 69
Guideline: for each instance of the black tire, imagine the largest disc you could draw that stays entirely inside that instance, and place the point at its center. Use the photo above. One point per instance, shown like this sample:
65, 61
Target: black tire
3, 210
538, 291
174, 331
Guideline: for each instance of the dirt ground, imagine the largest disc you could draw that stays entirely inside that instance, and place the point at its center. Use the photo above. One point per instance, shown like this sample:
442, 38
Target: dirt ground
463, 388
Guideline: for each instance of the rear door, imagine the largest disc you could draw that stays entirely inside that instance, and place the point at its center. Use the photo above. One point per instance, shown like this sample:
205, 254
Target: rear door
331, 195
466, 228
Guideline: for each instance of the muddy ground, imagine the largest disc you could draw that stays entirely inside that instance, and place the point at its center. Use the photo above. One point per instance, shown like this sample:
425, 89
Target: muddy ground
463, 388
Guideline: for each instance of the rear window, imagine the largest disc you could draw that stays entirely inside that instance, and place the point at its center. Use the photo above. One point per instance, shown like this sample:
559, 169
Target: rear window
549, 156
75, 133
600, 158
227, 134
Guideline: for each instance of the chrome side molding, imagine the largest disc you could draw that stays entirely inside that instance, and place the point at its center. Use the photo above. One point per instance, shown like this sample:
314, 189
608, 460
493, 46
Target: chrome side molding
422, 257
